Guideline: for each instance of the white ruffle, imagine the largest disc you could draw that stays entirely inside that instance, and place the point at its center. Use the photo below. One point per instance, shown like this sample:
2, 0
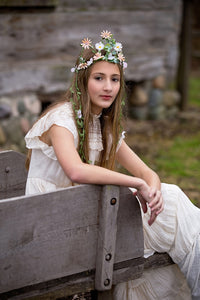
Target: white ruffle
122, 137
61, 116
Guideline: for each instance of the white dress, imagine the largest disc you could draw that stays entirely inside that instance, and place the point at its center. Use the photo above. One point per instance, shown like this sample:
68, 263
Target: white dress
176, 230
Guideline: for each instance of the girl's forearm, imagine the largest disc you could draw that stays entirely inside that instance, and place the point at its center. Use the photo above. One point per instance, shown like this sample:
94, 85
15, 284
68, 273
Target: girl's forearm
91, 174
153, 180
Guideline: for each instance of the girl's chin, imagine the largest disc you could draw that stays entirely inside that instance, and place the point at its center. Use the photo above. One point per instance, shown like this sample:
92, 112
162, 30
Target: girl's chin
98, 110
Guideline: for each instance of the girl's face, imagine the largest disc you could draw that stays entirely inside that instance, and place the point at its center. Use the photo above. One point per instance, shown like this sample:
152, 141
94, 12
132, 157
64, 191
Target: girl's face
103, 85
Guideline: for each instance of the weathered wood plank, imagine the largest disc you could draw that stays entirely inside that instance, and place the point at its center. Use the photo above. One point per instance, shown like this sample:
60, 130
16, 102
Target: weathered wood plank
108, 209
44, 237
84, 282
12, 174
157, 260
149, 31
29, 3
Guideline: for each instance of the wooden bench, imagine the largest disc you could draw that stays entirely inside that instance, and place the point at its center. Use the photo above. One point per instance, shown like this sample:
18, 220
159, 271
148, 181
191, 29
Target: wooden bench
78, 239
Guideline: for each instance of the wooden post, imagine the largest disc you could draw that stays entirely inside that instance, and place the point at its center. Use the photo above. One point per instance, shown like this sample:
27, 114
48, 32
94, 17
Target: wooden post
185, 54
108, 209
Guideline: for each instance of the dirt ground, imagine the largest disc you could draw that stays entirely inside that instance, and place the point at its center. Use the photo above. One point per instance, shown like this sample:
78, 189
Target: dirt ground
147, 137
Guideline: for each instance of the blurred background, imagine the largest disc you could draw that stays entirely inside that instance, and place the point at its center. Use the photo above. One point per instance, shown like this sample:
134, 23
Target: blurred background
39, 41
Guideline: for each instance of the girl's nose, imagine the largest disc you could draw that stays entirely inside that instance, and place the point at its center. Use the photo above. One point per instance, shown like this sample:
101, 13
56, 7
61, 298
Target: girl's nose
107, 85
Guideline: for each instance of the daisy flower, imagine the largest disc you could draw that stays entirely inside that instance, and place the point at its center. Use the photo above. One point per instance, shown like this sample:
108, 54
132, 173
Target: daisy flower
79, 114
97, 56
99, 46
111, 57
73, 70
121, 57
89, 62
106, 34
125, 65
82, 66
86, 43
118, 47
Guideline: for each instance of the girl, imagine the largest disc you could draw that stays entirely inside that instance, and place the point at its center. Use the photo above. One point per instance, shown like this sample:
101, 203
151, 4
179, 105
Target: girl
79, 140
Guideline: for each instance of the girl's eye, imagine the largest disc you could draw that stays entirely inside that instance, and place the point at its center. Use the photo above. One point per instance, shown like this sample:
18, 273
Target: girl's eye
98, 78
115, 79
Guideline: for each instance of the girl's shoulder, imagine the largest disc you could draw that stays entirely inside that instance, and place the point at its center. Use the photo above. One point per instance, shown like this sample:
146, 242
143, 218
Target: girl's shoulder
60, 114
61, 108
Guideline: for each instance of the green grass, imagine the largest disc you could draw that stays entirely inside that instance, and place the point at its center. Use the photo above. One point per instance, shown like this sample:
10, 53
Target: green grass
179, 163
181, 158
194, 90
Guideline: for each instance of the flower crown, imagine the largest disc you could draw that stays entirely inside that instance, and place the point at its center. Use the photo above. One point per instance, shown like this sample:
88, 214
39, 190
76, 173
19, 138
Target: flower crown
113, 52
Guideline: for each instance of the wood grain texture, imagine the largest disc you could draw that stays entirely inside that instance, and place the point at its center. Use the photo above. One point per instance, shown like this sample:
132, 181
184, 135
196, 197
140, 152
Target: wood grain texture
12, 174
49, 241
49, 44
47, 236
108, 210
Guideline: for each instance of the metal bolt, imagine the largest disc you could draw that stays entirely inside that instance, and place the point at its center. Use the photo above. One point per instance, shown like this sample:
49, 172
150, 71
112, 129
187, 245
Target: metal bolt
107, 282
113, 201
108, 257
7, 169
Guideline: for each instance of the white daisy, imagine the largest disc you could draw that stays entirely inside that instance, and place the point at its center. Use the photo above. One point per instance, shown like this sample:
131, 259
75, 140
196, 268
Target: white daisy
99, 46
89, 62
111, 57
118, 47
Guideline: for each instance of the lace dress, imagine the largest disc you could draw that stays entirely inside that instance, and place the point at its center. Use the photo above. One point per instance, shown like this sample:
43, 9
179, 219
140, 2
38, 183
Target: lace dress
176, 230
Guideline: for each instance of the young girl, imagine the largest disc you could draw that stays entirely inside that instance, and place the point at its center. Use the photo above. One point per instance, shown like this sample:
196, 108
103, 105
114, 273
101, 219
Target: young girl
79, 140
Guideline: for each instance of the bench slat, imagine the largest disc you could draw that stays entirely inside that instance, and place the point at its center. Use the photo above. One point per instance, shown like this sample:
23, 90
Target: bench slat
49, 241
49, 236
12, 174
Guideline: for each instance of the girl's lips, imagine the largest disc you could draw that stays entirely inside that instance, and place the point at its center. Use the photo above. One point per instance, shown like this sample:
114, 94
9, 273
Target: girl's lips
106, 97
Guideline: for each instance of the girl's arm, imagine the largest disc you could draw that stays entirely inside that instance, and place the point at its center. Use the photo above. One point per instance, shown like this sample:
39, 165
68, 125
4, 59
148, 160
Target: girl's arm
131, 162
62, 141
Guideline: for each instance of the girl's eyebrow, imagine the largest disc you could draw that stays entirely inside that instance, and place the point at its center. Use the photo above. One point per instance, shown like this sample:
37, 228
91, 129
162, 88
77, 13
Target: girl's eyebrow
100, 73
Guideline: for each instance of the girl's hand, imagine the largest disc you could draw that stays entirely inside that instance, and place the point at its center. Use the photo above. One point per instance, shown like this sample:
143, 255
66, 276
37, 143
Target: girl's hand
153, 197
156, 204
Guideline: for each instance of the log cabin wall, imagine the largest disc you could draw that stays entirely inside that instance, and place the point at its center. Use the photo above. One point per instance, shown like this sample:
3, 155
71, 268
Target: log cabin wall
39, 42
40, 39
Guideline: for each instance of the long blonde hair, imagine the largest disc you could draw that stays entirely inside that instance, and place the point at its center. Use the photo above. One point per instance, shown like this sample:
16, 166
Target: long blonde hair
110, 120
